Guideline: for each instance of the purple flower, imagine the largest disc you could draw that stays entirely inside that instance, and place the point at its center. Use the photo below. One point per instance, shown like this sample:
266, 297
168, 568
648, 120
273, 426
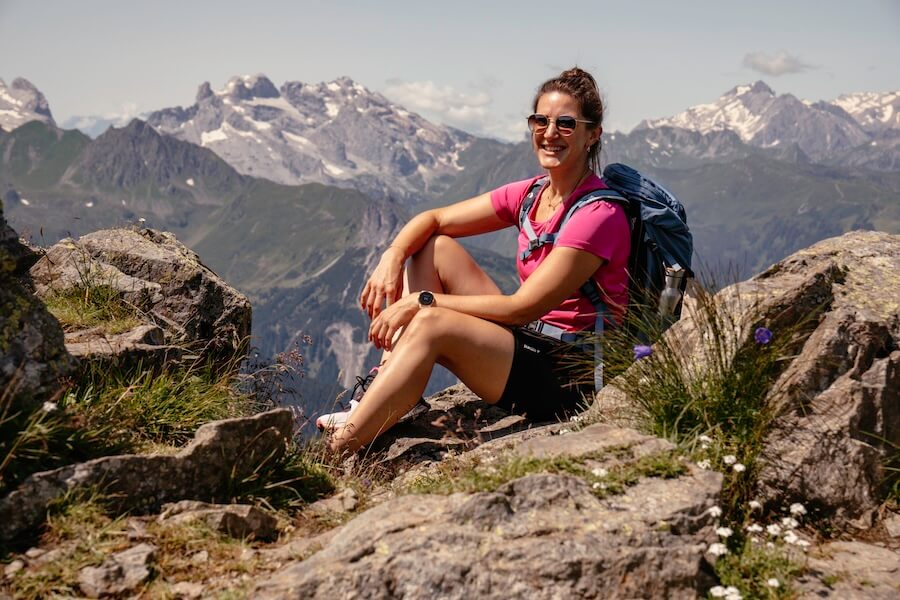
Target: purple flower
642, 352
762, 336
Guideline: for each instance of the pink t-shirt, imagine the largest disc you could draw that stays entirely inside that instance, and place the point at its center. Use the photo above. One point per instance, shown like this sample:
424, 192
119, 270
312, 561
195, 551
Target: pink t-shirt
600, 228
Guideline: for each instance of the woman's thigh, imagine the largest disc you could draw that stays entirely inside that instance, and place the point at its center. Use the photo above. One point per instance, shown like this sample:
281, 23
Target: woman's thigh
443, 265
479, 352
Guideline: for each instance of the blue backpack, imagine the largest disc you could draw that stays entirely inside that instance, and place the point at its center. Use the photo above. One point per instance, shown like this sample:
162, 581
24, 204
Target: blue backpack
661, 250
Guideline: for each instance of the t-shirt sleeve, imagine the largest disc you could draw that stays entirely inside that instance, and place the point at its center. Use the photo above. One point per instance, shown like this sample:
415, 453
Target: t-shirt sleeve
507, 199
600, 228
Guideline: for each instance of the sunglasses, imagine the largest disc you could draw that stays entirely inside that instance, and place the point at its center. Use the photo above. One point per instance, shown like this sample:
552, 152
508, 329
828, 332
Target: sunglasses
565, 125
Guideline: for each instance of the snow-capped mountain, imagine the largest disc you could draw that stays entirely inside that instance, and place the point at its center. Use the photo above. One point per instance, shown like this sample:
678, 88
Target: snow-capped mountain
761, 118
338, 133
22, 102
876, 112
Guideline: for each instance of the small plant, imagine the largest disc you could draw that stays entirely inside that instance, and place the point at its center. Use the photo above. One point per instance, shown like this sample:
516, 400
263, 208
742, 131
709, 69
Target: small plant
99, 306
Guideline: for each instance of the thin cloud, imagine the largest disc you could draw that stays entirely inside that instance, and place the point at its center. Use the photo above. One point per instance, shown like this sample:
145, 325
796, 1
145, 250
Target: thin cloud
469, 111
780, 63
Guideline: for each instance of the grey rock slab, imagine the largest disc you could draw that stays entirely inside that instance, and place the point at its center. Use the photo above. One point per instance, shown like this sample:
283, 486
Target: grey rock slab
343, 502
187, 590
592, 439
236, 520
10, 570
120, 573
541, 536
851, 570
221, 452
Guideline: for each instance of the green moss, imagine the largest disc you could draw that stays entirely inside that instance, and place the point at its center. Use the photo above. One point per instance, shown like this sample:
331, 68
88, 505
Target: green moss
467, 475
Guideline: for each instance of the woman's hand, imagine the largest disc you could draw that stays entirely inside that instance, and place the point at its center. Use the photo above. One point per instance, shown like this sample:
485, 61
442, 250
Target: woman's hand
396, 316
385, 284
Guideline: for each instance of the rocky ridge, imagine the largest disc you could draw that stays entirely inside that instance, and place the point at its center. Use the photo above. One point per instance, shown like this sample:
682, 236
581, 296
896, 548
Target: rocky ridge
21, 102
338, 133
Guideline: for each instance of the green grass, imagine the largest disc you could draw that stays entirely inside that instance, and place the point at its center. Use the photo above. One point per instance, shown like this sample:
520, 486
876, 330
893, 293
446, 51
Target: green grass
467, 475
751, 567
88, 306
151, 406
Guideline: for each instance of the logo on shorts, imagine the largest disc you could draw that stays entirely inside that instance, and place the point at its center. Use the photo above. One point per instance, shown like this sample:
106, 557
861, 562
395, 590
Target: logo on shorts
527, 347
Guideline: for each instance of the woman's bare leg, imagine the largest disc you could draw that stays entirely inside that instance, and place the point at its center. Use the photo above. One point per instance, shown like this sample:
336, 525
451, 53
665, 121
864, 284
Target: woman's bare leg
479, 352
444, 266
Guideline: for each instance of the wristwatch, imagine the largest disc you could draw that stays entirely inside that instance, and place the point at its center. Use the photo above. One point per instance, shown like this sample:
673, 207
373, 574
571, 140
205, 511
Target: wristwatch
426, 299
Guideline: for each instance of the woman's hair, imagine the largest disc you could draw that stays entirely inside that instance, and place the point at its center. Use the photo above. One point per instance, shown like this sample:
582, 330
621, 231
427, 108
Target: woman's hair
581, 85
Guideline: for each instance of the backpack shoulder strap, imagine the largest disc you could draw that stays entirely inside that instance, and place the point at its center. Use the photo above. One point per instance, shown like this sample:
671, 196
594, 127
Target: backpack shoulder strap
534, 241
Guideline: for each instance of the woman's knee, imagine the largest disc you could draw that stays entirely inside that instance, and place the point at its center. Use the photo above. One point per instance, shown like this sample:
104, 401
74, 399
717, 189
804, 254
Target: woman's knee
430, 324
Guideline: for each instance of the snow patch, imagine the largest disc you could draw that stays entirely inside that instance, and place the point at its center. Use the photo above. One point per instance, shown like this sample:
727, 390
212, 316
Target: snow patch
190, 181
216, 135
333, 169
332, 109
24, 202
89, 204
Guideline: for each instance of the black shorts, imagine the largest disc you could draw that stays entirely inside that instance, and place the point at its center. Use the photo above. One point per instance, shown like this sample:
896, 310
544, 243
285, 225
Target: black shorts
549, 379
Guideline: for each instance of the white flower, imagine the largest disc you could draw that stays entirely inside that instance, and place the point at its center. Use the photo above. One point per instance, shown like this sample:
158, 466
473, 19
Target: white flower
49, 407
790, 522
576, 419
142, 220
739, 468
803, 544
599, 472
732, 593
717, 549
705, 439
754, 539
714, 511
773, 583
729, 459
755, 505
791, 538
773, 529
703, 464
717, 591
724, 532
770, 545
564, 431
797, 509
599, 486
754, 528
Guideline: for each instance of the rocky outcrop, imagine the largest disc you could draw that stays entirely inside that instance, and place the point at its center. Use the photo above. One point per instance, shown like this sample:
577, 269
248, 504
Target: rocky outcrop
159, 276
544, 535
241, 521
221, 453
120, 573
32, 354
839, 400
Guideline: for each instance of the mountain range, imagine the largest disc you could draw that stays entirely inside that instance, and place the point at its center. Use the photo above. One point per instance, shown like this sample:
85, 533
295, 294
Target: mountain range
300, 247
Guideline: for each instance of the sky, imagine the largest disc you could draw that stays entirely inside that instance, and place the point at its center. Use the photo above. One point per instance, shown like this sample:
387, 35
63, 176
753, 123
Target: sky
472, 65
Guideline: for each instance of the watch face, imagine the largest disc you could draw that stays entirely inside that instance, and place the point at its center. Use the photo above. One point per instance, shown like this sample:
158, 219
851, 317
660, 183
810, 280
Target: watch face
426, 298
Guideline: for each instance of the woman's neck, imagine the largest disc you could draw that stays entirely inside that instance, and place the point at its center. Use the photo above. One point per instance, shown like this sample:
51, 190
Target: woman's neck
562, 185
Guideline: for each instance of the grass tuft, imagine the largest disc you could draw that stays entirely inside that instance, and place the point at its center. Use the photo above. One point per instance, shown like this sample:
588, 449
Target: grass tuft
87, 306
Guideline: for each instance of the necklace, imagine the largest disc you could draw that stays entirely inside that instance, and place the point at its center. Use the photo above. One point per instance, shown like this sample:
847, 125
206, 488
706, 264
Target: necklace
554, 205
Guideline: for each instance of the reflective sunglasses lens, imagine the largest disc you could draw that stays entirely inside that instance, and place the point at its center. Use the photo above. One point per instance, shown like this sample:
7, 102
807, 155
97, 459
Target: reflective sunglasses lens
566, 124
538, 122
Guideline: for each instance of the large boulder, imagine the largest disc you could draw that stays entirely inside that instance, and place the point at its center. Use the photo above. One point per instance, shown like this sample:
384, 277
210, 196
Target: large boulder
32, 354
160, 276
839, 399
543, 535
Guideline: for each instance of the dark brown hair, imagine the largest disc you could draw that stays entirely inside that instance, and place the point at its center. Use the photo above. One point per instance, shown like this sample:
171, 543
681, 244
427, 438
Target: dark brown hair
581, 85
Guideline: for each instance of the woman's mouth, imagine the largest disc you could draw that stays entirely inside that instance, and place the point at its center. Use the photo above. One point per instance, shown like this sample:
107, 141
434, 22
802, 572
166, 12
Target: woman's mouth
552, 148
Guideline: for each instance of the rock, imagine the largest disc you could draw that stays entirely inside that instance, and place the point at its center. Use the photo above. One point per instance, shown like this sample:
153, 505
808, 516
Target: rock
851, 570
154, 271
32, 354
21, 257
145, 345
10, 570
839, 399
892, 525
33, 553
237, 520
187, 590
540, 536
343, 502
200, 558
120, 573
220, 453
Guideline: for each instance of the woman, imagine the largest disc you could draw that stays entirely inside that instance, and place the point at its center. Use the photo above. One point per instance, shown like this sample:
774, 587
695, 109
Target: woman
447, 311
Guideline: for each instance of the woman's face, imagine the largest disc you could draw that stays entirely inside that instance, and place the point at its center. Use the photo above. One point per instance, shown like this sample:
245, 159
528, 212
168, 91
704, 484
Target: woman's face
555, 151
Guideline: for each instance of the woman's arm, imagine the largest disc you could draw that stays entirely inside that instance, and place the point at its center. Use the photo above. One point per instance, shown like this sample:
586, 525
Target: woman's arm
469, 217
558, 276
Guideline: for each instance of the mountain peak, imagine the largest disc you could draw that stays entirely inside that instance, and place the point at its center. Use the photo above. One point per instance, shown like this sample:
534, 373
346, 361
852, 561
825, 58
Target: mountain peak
204, 92
756, 88
250, 86
21, 102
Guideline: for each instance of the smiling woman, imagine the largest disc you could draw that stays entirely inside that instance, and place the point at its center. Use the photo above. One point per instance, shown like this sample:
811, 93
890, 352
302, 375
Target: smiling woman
430, 303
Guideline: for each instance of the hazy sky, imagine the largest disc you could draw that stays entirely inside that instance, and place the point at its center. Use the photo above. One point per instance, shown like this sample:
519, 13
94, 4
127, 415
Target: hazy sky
474, 65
